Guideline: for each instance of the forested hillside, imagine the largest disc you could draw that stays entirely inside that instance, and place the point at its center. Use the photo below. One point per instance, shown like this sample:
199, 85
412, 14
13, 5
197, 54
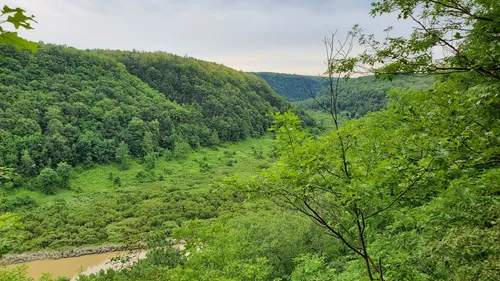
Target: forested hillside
293, 87
407, 190
232, 103
357, 96
62, 105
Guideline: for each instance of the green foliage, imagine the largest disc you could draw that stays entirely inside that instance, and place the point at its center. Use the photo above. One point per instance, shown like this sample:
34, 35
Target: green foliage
294, 87
27, 165
122, 155
20, 273
65, 105
181, 150
204, 166
356, 97
18, 18
146, 176
47, 181
359, 96
150, 160
7, 176
312, 268
289, 132
231, 105
63, 171
9, 227
465, 29
254, 245
97, 210
117, 181
119, 216
409, 192
429, 147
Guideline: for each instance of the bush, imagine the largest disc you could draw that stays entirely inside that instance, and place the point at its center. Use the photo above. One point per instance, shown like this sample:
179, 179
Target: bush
47, 181
204, 167
144, 176
117, 181
181, 150
63, 171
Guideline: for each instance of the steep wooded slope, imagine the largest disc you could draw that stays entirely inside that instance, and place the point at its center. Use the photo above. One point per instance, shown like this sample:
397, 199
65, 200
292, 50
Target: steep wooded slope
67, 105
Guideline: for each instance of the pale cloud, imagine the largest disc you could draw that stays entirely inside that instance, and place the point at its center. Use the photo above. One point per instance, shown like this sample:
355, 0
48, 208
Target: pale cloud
259, 35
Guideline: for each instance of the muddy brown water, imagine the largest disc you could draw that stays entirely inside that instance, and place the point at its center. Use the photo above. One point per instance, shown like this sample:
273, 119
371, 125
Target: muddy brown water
72, 267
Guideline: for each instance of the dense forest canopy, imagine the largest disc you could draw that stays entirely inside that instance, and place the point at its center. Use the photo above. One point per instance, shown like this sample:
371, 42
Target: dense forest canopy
232, 103
408, 192
63, 105
293, 87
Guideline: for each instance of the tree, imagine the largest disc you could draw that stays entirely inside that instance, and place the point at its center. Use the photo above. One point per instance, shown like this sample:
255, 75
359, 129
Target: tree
350, 179
63, 171
312, 268
47, 181
6, 176
57, 148
257, 245
16, 17
393, 167
150, 160
136, 133
466, 30
27, 165
149, 144
67, 105
181, 149
122, 155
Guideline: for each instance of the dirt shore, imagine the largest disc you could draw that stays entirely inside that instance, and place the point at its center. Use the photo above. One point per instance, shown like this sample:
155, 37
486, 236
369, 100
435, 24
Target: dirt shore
53, 255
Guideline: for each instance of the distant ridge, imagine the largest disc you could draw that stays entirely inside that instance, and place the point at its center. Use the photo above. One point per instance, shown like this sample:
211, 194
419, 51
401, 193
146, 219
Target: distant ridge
292, 86
357, 96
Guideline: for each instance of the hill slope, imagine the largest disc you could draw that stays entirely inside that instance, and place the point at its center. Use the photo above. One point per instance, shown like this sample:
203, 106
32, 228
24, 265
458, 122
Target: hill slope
67, 105
293, 87
357, 96
233, 103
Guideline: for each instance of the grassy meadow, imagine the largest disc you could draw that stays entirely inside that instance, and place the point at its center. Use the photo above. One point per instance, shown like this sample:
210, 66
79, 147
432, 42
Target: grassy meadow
97, 209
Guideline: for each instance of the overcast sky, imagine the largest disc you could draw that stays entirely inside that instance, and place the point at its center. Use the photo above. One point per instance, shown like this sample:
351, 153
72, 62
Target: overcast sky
250, 35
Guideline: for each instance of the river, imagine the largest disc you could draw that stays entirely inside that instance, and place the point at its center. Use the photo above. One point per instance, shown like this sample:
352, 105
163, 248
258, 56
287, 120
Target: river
71, 267
87, 264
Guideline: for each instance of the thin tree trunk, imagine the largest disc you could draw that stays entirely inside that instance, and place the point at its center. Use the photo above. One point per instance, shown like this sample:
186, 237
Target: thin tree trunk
363, 247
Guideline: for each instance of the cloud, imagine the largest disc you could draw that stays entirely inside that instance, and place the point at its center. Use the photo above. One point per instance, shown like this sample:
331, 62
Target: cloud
258, 35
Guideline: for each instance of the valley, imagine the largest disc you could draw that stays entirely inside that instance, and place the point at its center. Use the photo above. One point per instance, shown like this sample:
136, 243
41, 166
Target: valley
384, 167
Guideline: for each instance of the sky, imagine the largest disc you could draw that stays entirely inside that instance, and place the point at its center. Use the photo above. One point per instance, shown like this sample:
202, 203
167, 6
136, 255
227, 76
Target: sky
251, 35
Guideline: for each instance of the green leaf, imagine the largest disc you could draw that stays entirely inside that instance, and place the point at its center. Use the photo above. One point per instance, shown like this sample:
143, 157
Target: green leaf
20, 43
20, 19
6, 10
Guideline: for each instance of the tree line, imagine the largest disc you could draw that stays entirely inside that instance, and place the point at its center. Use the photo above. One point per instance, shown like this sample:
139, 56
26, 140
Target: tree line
63, 105
292, 86
358, 96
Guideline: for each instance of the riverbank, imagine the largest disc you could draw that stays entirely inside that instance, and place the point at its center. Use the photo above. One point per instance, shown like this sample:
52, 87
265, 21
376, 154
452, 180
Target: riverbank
73, 253
72, 263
